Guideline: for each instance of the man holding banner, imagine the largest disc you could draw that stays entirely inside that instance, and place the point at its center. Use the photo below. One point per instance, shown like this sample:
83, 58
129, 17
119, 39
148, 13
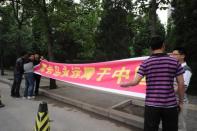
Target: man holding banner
160, 102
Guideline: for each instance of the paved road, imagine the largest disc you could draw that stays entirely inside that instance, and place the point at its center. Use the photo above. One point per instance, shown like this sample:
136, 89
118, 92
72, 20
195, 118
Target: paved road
19, 115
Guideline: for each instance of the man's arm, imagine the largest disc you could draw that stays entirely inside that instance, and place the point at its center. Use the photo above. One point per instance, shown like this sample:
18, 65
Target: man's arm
134, 82
181, 88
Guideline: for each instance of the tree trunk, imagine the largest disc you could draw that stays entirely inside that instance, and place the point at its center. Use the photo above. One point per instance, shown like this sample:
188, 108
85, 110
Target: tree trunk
18, 46
50, 41
51, 56
153, 17
18, 11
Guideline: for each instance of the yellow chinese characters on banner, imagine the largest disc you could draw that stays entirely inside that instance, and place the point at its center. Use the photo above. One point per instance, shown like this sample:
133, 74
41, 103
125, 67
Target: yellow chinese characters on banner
119, 74
102, 72
86, 72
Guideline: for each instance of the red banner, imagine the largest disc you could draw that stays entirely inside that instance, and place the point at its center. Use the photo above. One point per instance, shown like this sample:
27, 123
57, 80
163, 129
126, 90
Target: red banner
104, 76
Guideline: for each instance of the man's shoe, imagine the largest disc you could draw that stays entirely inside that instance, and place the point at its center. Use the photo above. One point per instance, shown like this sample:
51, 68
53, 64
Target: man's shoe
29, 97
17, 96
12, 95
1, 105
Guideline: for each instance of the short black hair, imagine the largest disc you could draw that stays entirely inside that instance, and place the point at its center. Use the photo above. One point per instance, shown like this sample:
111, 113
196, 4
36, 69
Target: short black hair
181, 50
156, 42
30, 53
23, 53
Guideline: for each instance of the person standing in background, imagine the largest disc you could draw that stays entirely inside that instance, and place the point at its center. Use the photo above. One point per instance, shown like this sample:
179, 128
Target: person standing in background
29, 77
18, 74
180, 54
37, 76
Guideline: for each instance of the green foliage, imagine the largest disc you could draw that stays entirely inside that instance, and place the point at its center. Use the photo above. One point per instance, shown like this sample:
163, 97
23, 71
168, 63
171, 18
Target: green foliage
39, 38
85, 25
114, 34
73, 28
183, 33
141, 37
81, 31
9, 36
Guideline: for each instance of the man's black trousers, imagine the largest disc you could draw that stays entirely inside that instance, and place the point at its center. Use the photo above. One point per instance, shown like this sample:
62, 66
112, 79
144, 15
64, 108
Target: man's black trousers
153, 116
15, 90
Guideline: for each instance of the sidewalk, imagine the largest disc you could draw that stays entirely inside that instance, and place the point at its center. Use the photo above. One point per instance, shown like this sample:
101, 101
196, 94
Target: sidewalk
107, 104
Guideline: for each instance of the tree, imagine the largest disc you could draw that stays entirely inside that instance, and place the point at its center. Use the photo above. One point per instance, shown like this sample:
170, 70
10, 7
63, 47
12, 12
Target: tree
10, 34
5, 22
75, 29
42, 11
151, 7
65, 30
21, 15
114, 34
184, 30
2, 30
142, 35
89, 13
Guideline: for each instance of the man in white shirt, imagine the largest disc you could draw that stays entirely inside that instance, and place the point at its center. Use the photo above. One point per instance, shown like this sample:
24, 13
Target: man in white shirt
180, 55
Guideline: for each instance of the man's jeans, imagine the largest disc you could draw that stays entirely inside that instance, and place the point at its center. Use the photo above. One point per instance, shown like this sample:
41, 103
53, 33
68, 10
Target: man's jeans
29, 84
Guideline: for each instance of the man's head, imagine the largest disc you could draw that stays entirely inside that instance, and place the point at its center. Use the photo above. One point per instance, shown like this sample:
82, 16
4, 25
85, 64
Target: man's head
179, 53
37, 57
156, 42
31, 56
25, 56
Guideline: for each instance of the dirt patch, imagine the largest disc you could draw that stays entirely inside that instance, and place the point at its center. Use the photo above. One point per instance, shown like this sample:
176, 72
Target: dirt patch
131, 109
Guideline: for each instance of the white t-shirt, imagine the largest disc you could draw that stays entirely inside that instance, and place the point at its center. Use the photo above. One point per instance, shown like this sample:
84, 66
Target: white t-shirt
186, 76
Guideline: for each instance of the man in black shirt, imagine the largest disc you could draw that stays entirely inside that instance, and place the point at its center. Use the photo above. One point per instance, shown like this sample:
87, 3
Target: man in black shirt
18, 74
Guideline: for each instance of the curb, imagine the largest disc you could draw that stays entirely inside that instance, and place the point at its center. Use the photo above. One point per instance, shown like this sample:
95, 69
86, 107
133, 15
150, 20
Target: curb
111, 113
5, 81
129, 119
